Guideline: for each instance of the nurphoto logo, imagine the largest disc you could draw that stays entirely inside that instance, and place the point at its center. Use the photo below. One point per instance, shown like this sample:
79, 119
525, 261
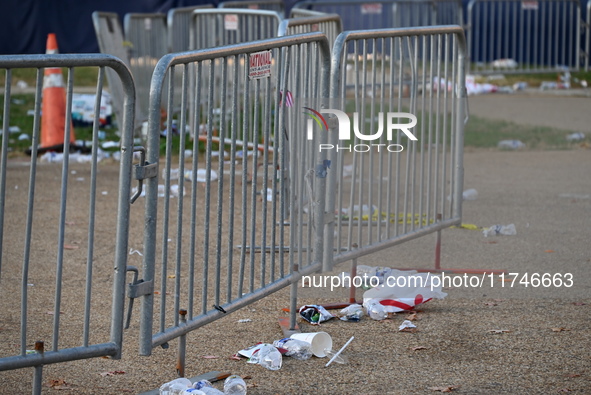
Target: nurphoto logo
392, 123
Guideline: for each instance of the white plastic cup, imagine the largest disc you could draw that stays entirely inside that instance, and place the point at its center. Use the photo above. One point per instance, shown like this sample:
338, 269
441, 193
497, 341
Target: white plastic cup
319, 341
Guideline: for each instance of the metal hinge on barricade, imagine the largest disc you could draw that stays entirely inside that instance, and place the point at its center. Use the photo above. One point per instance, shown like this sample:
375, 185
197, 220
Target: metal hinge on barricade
135, 289
143, 171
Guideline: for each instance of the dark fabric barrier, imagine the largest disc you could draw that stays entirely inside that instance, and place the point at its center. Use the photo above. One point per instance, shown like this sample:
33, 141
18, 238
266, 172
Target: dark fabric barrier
24, 24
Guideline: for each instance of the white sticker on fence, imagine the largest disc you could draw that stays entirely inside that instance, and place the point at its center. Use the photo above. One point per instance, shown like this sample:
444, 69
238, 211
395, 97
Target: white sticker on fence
260, 65
371, 8
231, 22
529, 5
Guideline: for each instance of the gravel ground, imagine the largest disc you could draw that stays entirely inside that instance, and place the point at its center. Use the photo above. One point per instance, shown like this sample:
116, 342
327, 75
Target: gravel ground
489, 340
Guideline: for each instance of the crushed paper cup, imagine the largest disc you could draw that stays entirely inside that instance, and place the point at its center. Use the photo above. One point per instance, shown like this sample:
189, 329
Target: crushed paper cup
406, 324
320, 342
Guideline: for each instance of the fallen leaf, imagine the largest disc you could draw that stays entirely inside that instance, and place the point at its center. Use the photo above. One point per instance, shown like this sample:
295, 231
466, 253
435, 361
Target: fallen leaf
572, 375
252, 385
499, 331
559, 329
71, 247
549, 251
171, 276
412, 317
449, 388
247, 377
564, 390
209, 357
58, 384
409, 330
55, 382
490, 304
113, 373
419, 348
490, 242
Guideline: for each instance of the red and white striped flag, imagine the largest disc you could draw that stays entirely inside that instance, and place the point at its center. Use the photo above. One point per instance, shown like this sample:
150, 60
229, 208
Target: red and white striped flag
288, 99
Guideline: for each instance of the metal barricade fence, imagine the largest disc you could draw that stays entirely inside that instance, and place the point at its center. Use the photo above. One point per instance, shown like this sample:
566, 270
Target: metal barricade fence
358, 14
272, 5
514, 36
225, 26
233, 213
302, 13
35, 273
329, 24
147, 38
178, 22
405, 180
111, 40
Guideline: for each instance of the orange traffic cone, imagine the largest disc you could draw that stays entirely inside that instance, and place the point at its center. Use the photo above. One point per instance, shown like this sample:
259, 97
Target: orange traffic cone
53, 116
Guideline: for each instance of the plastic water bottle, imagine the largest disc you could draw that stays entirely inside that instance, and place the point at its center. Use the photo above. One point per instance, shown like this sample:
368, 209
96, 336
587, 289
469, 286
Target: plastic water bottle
206, 387
376, 310
234, 385
175, 387
297, 349
210, 391
267, 356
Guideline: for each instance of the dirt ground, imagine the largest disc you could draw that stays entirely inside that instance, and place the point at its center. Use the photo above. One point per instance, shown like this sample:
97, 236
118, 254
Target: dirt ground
501, 338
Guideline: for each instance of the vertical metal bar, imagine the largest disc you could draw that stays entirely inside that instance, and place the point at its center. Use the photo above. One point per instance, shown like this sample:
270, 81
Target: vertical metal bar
181, 181
430, 133
220, 197
3, 159
454, 119
372, 113
232, 197
92, 208
166, 215
398, 212
389, 210
121, 251
207, 206
245, 129
30, 199
444, 123
414, 60
62, 216
253, 189
38, 374
196, 116
180, 362
422, 131
461, 97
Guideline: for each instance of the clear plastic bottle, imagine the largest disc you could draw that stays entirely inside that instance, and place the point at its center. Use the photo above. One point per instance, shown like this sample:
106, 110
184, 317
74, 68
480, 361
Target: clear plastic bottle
206, 387
376, 310
352, 313
175, 387
267, 356
210, 391
234, 385
297, 349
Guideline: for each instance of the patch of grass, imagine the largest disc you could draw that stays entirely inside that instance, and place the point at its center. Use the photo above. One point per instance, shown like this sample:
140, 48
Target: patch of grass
486, 133
83, 76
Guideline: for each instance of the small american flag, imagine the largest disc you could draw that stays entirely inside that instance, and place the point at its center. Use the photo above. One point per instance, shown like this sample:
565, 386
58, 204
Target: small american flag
288, 99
